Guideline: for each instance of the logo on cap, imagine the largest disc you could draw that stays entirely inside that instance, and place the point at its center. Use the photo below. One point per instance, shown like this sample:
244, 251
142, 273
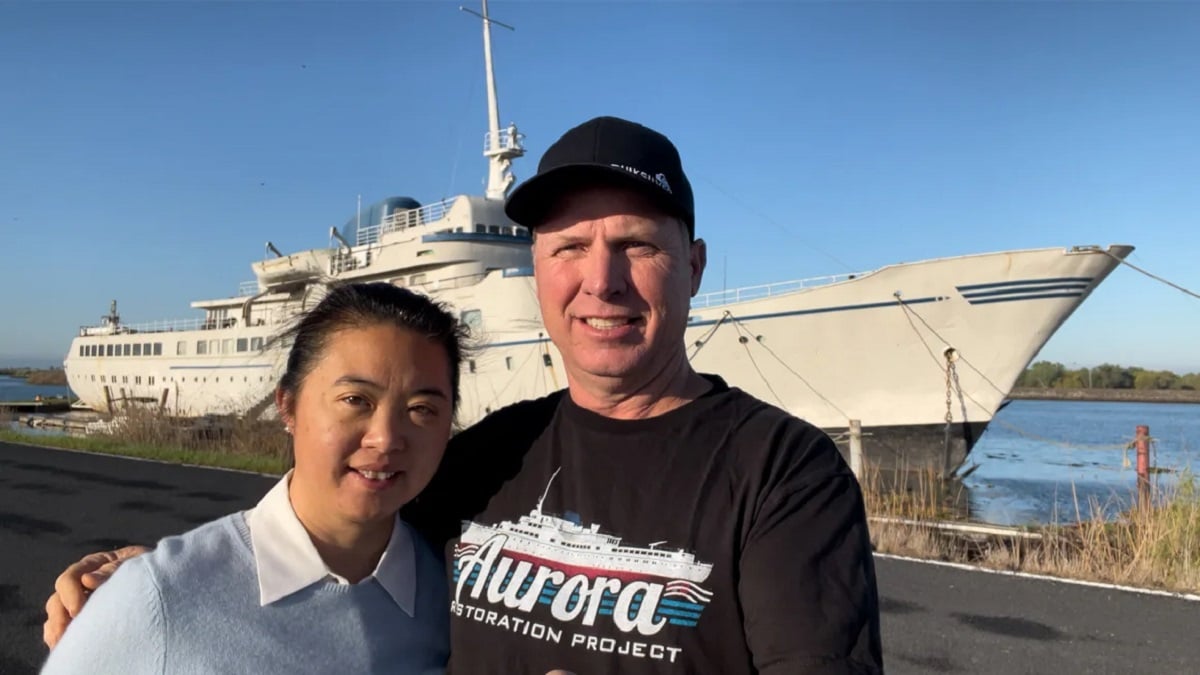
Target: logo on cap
660, 180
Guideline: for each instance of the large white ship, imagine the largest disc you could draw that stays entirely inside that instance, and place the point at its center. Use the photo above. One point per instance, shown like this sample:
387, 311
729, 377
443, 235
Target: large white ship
923, 354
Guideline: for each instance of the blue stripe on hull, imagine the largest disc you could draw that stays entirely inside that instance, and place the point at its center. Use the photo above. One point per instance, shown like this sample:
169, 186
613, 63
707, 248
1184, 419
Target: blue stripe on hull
1024, 282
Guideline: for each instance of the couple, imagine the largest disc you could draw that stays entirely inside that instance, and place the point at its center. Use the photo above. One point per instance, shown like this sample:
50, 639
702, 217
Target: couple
648, 519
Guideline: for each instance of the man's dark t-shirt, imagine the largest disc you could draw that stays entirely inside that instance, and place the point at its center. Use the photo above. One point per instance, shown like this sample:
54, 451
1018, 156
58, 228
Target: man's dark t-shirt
722, 537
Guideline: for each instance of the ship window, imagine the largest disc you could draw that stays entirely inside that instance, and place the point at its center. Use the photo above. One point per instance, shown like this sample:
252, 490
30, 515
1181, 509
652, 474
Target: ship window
93, 378
181, 348
471, 364
256, 343
201, 347
214, 346
158, 348
150, 380
473, 320
137, 379
425, 252
124, 379
480, 228
243, 344
494, 229
137, 349
227, 346
416, 280
508, 362
128, 349
102, 379
146, 349
108, 350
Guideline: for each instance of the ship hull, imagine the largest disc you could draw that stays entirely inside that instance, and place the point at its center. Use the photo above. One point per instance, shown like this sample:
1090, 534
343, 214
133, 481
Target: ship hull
900, 349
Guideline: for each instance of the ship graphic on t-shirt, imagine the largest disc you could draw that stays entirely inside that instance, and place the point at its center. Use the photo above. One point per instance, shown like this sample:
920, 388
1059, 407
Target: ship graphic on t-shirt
549, 560
576, 548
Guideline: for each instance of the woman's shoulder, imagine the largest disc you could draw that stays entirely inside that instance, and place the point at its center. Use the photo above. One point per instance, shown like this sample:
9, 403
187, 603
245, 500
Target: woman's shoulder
219, 541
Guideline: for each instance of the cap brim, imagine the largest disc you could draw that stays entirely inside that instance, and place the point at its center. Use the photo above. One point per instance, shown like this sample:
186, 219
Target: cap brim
534, 200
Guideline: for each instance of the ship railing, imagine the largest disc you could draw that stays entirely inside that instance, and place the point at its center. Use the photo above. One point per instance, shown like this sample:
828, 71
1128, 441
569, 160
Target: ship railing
505, 139
747, 293
405, 219
247, 288
169, 326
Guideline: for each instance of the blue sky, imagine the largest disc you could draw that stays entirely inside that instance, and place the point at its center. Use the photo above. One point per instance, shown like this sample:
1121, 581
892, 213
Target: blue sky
150, 149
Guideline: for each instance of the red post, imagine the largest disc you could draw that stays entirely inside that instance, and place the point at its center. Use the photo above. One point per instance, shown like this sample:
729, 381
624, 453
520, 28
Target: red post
1143, 464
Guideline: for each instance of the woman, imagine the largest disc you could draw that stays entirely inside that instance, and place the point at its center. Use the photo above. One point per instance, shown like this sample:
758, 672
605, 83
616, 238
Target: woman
321, 575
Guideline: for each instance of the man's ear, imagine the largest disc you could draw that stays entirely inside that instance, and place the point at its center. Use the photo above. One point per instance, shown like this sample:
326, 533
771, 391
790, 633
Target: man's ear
698, 259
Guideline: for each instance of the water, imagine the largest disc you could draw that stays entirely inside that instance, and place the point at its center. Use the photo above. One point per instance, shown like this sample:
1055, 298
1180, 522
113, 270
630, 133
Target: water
13, 389
1036, 452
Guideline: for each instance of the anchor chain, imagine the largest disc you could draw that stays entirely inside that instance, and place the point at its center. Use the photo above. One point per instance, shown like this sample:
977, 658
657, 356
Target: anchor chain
951, 380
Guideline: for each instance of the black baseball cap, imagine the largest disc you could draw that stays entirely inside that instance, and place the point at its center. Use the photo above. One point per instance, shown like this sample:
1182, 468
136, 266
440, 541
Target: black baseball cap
606, 151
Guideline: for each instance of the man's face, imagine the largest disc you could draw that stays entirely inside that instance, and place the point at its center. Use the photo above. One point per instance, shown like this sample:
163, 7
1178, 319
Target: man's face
614, 279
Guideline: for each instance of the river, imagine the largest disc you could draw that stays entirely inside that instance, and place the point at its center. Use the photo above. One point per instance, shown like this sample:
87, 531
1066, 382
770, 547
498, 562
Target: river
1038, 459
14, 389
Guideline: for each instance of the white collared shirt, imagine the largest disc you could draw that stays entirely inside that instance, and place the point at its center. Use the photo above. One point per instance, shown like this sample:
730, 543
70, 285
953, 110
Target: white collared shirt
287, 561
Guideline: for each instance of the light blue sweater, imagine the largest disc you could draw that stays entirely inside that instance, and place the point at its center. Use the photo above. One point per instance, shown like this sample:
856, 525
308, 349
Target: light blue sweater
192, 606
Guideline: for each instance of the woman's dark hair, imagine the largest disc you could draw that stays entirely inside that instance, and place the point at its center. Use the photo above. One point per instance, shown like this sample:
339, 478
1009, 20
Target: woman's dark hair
359, 305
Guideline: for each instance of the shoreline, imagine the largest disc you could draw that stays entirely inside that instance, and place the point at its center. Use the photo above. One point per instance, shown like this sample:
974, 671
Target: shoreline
1105, 395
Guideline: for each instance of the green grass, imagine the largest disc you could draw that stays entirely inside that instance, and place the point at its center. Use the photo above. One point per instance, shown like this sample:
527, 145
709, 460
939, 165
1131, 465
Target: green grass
173, 454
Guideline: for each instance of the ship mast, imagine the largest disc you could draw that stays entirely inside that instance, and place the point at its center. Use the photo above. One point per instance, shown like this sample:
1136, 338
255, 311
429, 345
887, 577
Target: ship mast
547, 490
500, 146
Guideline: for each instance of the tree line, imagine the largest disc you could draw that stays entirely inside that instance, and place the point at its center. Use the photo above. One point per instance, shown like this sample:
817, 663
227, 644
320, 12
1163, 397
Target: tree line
1051, 374
37, 375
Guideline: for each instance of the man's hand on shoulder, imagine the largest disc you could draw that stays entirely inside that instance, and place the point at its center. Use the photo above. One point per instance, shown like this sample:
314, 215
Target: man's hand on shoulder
76, 583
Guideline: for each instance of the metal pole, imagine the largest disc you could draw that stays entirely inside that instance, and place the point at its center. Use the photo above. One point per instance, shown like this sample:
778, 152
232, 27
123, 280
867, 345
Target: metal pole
1143, 464
856, 458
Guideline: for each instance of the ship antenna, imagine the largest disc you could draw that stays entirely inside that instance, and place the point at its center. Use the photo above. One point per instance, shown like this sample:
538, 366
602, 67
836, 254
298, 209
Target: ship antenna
501, 147
547, 490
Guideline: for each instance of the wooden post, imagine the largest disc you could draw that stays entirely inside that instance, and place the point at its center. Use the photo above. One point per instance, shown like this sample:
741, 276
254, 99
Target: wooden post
1143, 464
856, 457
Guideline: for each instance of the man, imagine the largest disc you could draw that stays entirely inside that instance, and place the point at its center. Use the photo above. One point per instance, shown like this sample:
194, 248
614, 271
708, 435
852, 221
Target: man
649, 518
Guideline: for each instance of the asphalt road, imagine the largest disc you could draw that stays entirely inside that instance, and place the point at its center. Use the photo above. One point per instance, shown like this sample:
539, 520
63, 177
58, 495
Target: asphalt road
56, 506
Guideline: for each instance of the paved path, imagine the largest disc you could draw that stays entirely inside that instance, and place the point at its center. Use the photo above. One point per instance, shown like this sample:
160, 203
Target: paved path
56, 506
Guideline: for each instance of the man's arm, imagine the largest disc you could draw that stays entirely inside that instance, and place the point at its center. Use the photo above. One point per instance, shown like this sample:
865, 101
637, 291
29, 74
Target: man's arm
122, 630
477, 463
73, 587
807, 589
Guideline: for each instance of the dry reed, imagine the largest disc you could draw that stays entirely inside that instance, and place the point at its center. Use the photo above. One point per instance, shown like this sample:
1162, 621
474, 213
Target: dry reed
1155, 545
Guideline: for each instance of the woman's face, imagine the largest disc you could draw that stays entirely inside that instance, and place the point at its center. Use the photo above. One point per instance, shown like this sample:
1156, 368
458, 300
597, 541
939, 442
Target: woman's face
370, 423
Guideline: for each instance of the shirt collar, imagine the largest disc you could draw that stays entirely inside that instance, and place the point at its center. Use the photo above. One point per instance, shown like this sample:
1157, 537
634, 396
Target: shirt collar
287, 561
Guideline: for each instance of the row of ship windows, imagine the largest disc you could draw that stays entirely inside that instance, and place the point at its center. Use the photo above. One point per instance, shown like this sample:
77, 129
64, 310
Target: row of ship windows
203, 347
137, 379
136, 349
509, 230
